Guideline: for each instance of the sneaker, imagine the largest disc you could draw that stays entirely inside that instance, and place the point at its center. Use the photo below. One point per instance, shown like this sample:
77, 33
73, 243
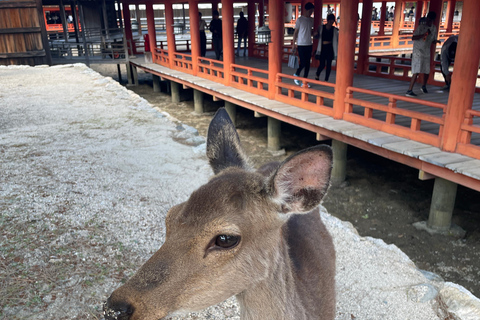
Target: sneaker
424, 89
410, 93
297, 82
306, 85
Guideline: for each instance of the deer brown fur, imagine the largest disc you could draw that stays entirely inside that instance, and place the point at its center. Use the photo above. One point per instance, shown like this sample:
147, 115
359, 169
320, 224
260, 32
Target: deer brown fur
256, 235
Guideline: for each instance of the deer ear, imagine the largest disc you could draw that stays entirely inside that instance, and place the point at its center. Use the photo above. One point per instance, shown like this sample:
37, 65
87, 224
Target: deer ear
302, 180
223, 144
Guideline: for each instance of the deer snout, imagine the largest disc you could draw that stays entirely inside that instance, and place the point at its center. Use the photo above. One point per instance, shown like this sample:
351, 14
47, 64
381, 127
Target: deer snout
117, 310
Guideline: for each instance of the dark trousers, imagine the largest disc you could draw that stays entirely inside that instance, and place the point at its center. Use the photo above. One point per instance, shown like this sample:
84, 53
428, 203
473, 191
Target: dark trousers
203, 44
326, 58
218, 46
305, 54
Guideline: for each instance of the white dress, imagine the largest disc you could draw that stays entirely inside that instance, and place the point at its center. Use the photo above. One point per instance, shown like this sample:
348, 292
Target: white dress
421, 49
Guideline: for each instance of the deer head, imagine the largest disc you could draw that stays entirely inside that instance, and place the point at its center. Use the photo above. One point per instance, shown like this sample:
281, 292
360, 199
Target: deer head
228, 237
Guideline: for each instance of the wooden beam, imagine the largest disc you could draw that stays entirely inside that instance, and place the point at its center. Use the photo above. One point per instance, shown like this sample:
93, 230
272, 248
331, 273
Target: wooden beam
422, 175
20, 30
321, 137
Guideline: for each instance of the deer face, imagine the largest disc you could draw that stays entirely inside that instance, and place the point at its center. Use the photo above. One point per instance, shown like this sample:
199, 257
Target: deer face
225, 238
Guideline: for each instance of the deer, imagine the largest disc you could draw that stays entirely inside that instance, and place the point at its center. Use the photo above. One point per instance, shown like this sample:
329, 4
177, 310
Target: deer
253, 234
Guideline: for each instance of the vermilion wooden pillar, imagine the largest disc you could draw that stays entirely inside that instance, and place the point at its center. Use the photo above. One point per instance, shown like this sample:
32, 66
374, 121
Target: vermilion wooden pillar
449, 15
437, 7
261, 6
152, 35
418, 13
464, 75
194, 33
383, 16
425, 8
346, 54
227, 39
275, 47
214, 5
170, 35
364, 35
397, 22
251, 26
317, 14
128, 29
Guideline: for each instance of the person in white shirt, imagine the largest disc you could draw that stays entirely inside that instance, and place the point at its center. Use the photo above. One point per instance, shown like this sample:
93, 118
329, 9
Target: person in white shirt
302, 41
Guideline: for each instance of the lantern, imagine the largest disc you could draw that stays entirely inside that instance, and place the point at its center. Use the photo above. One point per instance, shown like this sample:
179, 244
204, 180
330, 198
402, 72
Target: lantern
263, 34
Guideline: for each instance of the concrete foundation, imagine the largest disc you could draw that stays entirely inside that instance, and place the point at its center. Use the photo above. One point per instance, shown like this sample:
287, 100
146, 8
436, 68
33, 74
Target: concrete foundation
339, 170
156, 83
274, 132
198, 97
175, 91
232, 111
443, 202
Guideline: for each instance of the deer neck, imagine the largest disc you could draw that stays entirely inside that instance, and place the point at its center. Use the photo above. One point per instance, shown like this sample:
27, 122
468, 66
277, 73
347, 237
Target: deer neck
276, 296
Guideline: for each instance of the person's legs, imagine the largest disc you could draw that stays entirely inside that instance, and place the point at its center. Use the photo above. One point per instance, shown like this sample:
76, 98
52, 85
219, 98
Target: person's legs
320, 67
329, 68
307, 57
244, 46
412, 81
238, 46
301, 64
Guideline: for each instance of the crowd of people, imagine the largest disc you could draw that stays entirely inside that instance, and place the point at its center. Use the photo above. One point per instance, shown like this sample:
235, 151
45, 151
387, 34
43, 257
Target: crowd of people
424, 37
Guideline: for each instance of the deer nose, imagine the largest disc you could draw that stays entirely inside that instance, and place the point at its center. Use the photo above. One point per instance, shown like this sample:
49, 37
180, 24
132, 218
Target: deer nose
117, 310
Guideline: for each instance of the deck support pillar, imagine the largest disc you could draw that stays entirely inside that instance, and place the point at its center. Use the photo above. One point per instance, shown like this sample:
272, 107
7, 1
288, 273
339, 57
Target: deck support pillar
339, 170
346, 54
464, 78
156, 83
175, 90
274, 132
132, 75
198, 97
232, 111
443, 202
397, 22
364, 45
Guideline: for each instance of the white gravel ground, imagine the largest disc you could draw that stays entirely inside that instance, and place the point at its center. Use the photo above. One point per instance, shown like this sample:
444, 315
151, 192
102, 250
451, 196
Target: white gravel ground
88, 171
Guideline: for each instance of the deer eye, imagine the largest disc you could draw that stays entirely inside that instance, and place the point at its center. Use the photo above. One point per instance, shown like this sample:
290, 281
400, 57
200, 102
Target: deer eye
226, 242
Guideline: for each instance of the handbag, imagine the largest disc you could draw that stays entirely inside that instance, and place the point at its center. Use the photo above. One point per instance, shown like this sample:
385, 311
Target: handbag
293, 61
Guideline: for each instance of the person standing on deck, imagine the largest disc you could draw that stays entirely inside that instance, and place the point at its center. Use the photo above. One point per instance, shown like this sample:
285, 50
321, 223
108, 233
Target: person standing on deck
423, 38
327, 46
242, 34
447, 56
216, 30
203, 37
302, 41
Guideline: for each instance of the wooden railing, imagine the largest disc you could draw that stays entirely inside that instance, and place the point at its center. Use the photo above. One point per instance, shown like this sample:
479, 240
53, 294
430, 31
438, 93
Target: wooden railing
160, 56
470, 129
389, 117
249, 79
183, 62
210, 69
300, 96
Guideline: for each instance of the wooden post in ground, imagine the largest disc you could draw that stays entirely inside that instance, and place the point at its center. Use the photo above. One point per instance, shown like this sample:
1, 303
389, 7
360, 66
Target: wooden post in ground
275, 47
339, 169
397, 22
175, 91
227, 39
449, 15
134, 75
443, 202
464, 77
128, 30
346, 54
194, 33
364, 45
170, 35
198, 98
261, 6
232, 111
251, 27
152, 34
383, 18
156, 83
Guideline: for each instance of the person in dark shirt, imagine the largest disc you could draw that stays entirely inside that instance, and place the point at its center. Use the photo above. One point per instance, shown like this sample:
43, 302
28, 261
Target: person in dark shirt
216, 30
242, 33
327, 46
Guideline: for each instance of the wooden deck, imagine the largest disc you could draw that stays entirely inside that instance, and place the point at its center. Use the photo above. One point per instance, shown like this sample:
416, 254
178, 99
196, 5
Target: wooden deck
454, 167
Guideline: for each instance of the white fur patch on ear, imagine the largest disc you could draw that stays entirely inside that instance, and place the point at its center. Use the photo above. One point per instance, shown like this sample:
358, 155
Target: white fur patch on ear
302, 180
